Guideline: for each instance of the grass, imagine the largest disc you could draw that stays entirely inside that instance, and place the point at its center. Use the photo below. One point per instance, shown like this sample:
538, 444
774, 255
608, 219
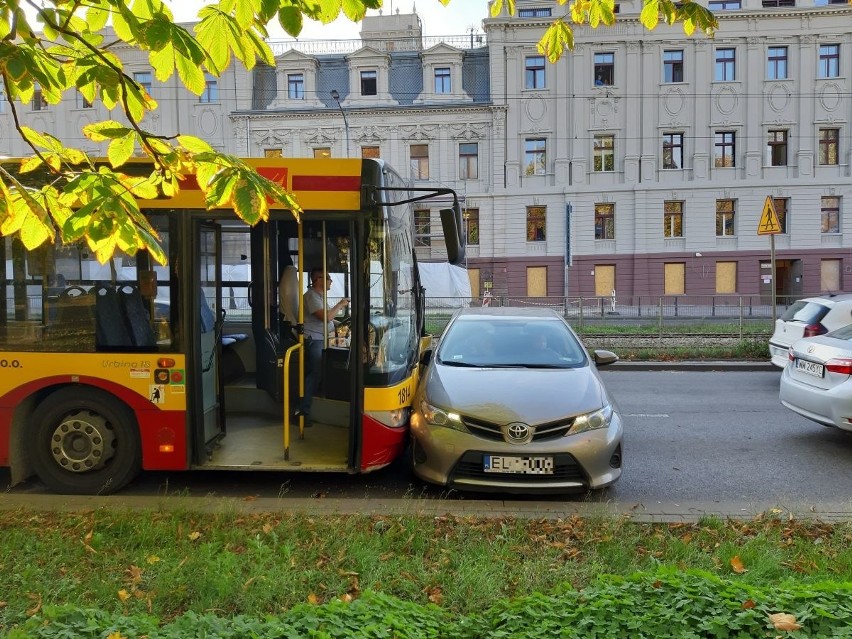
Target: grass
166, 563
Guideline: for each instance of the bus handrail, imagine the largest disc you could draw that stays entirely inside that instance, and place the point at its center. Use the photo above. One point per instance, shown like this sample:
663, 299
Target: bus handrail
286, 380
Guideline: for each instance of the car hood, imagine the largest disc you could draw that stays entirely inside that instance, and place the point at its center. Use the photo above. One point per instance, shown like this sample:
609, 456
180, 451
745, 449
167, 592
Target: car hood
502, 395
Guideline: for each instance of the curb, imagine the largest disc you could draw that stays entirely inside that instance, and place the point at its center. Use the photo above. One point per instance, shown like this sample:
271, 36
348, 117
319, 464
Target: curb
716, 365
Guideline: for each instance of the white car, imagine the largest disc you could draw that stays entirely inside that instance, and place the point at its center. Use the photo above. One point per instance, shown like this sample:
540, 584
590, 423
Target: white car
807, 318
817, 381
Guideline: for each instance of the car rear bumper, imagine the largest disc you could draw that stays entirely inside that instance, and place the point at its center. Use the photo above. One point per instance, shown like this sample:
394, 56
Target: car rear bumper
830, 407
779, 353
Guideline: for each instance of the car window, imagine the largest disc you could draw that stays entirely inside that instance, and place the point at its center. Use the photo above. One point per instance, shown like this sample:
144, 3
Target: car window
807, 312
842, 333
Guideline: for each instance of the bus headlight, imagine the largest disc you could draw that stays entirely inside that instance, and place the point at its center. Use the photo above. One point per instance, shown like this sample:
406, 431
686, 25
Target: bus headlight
592, 421
391, 418
438, 417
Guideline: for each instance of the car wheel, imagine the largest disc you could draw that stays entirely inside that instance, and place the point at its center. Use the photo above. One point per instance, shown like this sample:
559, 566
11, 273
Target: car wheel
85, 442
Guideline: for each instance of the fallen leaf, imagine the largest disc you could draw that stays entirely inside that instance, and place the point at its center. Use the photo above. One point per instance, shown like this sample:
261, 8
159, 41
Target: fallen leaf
194, 536
152, 559
123, 595
250, 498
313, 599
346, 597
37, 599
267, 528
435, 595
784, 621
115, 635
737, 565
748, 604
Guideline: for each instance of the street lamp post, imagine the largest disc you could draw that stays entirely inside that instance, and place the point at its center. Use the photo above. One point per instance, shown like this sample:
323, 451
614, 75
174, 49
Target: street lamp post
336, 97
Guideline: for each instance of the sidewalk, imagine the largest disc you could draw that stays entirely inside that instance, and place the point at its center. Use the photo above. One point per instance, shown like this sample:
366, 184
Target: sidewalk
696, 365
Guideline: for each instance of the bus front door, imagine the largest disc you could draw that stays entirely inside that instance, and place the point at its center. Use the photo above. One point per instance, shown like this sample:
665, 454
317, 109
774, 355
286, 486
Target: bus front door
208, 335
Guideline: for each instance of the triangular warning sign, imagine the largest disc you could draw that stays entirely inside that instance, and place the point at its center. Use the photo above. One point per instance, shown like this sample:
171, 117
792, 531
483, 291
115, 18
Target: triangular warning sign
769, 224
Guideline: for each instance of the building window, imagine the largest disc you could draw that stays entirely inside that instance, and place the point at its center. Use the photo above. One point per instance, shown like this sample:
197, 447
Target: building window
535, 156
370, 152
143, 79
80, 101
295, 86
322, 152
777, 147
604, 69
829, 141
443, 82
604, 221
369, 83
272, 153
536, 12
471, 227
770, 4
419, 161
726, 149
673, 219
776, 63
829, 61
830, 214
673, 66
469, 161
672, 150
211, 89
39, 102
422, 228
604, 153
725, 215
724, 5
780, 204
534, 73
536, 223
726, 65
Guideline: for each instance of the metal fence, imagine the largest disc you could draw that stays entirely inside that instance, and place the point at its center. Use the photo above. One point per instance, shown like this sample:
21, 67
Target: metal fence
666, 315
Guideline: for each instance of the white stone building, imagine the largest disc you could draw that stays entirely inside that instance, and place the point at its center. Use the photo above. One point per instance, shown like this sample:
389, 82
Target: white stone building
640, 162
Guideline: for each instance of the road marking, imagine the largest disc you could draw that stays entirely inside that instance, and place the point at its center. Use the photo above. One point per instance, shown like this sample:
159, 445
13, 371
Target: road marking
646, 415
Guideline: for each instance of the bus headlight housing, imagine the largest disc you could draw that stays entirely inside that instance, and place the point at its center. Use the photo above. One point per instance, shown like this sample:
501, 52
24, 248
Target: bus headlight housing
592, 421
396, 418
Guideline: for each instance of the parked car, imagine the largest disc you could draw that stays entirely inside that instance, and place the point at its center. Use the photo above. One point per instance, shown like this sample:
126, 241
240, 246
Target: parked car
806, 318
511, 401
817, 381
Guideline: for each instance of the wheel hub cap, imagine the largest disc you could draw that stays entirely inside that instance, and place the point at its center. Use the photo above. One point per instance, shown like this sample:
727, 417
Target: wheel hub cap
82, 442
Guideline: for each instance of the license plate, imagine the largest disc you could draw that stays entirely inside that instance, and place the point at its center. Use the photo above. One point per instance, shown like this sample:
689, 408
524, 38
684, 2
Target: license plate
809, 368
519, 465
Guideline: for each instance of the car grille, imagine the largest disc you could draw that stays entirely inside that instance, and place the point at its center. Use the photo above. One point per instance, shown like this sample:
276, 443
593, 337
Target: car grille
543, 432
565, 468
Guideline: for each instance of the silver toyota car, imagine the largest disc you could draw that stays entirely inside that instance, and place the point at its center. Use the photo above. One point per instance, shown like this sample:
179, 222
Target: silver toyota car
511, 401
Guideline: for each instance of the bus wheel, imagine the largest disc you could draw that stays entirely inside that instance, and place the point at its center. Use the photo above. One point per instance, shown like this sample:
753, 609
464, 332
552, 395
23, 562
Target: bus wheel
86, 442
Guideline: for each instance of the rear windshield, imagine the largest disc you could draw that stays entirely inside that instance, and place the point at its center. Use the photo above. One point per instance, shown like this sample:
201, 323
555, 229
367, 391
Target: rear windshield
807, 312
842, 333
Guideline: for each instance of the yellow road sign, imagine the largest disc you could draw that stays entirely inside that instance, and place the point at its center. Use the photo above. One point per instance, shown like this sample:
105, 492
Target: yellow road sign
769, 224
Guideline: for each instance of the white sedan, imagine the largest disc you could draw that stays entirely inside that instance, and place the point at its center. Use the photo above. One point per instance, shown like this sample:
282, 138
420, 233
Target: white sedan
817, 381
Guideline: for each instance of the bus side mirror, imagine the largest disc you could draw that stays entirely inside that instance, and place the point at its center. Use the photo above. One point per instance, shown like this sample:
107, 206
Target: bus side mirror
451, 221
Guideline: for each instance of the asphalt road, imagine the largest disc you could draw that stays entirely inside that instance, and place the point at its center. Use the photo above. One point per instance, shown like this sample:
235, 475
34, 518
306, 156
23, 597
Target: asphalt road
695, 442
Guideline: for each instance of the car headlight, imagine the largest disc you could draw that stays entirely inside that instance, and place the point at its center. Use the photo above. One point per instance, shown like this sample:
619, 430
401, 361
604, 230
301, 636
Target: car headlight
438, 417
592, 421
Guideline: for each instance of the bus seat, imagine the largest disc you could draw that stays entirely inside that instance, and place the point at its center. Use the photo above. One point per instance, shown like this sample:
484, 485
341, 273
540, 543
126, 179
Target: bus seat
137, 316
111, 328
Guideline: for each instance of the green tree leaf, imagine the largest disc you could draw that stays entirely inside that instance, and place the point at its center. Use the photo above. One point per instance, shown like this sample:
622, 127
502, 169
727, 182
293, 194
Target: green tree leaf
121, 149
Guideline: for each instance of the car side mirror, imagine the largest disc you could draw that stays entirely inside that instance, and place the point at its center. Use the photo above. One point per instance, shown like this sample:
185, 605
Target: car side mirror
426, 357
602, 358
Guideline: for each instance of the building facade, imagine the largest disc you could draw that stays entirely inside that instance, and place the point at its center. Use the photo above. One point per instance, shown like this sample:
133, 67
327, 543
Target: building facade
639, 163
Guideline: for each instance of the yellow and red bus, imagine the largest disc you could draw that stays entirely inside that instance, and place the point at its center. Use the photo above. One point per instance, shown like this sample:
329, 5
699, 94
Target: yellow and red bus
110, 369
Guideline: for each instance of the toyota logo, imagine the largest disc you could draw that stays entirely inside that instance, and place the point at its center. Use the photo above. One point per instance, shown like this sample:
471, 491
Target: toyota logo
517, 433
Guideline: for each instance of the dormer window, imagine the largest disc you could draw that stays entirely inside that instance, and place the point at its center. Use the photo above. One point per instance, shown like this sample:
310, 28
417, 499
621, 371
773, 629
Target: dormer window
443, 82
369, 83
296, 86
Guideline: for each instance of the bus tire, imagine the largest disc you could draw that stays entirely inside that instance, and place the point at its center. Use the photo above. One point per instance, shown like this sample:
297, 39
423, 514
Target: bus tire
85, 442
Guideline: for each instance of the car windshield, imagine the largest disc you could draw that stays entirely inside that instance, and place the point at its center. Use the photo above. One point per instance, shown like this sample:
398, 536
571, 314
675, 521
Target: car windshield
490, 342
807, 312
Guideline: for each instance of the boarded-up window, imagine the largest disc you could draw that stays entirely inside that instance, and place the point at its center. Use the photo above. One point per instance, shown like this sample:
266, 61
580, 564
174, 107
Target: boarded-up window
604, 279
726, 277
473, 274
674, 276
537, 281
829, 275
370, 152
